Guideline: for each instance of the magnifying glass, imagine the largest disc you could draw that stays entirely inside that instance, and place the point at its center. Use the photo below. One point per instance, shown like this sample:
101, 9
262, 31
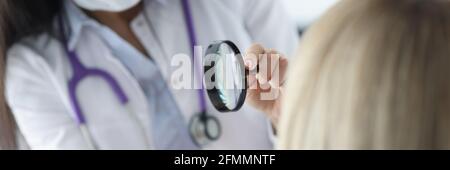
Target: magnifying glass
225, 76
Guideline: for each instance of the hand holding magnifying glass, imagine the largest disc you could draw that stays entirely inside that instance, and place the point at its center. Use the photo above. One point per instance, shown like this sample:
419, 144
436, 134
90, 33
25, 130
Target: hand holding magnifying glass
266, 77
258, 81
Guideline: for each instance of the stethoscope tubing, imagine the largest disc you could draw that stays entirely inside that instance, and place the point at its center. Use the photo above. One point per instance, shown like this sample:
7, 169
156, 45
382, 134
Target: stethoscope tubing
204, 117
81, 72
193, 42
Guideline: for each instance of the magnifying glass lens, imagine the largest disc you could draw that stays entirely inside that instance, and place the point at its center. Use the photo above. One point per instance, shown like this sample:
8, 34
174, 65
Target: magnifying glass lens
229, 77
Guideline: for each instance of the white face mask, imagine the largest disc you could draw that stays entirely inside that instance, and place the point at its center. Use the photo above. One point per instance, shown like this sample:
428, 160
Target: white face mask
107, 5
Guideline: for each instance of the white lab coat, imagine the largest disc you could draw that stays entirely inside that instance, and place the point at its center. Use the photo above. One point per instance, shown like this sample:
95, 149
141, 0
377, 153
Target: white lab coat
38, 71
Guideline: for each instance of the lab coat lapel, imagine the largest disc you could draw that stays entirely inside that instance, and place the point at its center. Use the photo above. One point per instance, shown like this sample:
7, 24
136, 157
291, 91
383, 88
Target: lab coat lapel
107, 118
165, 25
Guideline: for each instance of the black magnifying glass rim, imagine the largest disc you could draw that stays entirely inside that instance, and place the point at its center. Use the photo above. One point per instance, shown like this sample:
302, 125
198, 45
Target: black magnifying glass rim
214, 93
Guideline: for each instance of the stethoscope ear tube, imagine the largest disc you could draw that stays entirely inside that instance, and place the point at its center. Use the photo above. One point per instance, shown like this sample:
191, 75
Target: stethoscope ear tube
210, 124
200, 120
88, 137
81, 72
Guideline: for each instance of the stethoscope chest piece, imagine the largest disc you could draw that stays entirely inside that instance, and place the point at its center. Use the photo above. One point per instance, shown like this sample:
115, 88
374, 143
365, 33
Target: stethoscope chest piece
204, 129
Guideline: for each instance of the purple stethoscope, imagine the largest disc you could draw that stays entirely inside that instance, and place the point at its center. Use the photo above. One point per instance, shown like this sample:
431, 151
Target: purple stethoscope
203, 128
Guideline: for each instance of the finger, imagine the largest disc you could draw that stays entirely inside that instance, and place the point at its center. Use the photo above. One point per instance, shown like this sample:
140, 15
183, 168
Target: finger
278, 76
277, 68
252, 54
255, 49
284, 66
268, 65
252, 81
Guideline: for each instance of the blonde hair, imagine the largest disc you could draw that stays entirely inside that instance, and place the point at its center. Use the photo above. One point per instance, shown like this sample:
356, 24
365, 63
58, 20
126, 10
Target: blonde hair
372, 74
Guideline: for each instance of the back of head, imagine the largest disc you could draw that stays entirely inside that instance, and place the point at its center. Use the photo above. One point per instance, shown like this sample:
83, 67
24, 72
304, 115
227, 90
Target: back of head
372, 74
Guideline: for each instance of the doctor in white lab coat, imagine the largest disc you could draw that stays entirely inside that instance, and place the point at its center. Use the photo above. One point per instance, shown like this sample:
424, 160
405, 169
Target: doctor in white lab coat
157, 115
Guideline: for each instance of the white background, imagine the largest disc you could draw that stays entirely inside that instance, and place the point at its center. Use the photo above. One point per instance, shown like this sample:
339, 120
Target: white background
304, 12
